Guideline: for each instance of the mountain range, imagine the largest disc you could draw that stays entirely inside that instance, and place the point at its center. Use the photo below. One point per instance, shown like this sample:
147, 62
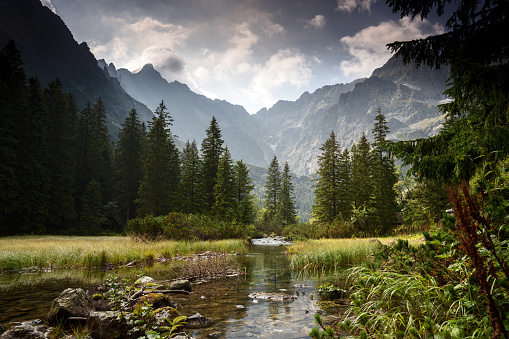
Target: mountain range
292, 130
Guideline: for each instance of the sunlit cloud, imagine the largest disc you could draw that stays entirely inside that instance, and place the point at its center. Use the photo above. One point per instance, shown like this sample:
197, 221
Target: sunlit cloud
368, 47
318, 22
286, 67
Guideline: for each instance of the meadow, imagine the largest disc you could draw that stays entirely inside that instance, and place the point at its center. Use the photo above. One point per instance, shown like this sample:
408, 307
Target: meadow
17, 253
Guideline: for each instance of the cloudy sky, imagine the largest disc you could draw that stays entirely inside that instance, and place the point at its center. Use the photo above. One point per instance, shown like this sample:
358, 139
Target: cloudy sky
248, 52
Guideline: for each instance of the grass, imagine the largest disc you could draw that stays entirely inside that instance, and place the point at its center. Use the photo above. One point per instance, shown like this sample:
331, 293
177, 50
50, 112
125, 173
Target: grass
17, 253
325, 254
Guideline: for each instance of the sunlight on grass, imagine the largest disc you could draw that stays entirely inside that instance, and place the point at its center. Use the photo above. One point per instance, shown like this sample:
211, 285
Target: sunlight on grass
60, 251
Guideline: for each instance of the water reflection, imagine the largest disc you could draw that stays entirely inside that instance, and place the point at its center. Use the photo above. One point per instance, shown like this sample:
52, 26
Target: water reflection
234, 314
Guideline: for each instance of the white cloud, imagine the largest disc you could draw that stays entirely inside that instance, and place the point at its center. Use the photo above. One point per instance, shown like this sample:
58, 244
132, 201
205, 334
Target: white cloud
351, 5
318, 22
368, 47
287, 66
235, 60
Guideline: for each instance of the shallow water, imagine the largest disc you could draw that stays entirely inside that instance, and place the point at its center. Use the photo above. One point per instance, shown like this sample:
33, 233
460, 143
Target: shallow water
234, 314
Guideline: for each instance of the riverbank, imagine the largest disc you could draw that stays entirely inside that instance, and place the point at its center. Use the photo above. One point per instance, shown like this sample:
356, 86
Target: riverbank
47, 252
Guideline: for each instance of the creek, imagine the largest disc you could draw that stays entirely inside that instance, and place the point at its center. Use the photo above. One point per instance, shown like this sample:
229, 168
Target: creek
226, 301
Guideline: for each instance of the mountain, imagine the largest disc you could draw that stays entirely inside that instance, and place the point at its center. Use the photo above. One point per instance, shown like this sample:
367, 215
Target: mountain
407, 96
193, 112
49, 51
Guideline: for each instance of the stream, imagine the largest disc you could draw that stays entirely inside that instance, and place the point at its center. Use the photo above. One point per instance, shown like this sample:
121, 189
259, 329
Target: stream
227, 302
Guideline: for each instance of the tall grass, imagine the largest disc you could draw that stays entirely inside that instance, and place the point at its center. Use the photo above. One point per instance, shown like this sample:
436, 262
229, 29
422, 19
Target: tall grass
316, 255
17, 253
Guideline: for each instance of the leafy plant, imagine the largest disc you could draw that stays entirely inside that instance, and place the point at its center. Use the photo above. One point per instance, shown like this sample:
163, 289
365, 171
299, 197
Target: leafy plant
329, 291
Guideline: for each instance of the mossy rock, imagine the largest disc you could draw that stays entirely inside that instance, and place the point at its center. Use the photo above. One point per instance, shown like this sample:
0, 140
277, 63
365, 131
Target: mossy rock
97, 296
157, 300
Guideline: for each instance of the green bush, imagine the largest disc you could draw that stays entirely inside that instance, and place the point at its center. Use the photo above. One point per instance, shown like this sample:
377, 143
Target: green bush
179, 226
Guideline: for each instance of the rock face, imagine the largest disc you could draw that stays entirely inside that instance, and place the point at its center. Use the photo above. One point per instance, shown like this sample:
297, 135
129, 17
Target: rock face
70, 303
33, 329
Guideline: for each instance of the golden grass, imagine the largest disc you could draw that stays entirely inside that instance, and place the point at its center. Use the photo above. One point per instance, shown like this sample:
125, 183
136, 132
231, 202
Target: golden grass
73, 251
315, 255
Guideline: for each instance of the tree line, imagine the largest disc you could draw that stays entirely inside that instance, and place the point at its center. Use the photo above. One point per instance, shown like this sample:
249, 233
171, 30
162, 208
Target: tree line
356, 187
61, 174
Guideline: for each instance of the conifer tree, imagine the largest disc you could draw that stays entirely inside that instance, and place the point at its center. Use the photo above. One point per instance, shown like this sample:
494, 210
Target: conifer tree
211, 150
157, 194
384, 178
272, 189
189, 189
224, 189
129, 164
328, 192
362, 186
243, 188
90, 219
286, 210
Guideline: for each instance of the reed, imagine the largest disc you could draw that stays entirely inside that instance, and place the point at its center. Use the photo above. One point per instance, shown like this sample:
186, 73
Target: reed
17, 253
316, 255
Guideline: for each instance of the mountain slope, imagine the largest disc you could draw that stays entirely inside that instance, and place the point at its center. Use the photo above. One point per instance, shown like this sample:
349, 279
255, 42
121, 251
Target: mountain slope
193, 112
49, 51
407, 96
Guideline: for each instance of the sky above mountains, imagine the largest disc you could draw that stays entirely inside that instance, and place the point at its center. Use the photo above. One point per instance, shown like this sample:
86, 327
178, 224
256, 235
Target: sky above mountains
248, 52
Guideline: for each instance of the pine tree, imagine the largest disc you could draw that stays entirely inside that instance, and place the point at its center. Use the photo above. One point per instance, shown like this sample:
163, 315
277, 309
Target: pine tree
286, 210
272, 189
384, 178
157, 194
129, 164
362, 186
61, 138
211, 150
90, 219
328, 192
224, 190
189, 189
243, 188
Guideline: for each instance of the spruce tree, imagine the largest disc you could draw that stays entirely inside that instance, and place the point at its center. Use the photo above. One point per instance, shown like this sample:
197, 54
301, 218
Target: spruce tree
189, 189
211, 150
286, 210
157, 194
129, 165
243, 188
272, 189
224, 189
328, 192
362, 185
383, 172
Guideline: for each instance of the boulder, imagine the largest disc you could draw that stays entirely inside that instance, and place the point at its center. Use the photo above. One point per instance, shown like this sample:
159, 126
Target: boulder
157, 300
105, 325
145, 281
181, 285
272, 296
33, 329
196, 321
70, 303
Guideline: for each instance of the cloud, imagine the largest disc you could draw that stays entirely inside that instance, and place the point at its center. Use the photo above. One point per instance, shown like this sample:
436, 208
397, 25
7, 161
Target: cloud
48, 4
368, 47
318, 22
287, 66
235, 60
351, 5
162, 58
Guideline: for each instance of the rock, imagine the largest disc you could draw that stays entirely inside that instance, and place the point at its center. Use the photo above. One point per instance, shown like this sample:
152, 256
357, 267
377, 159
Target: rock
165, 313
197, 321
33, 329
105, 325
272, 296
376, 242
145, 280
181, 285
70, 303
157, 300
